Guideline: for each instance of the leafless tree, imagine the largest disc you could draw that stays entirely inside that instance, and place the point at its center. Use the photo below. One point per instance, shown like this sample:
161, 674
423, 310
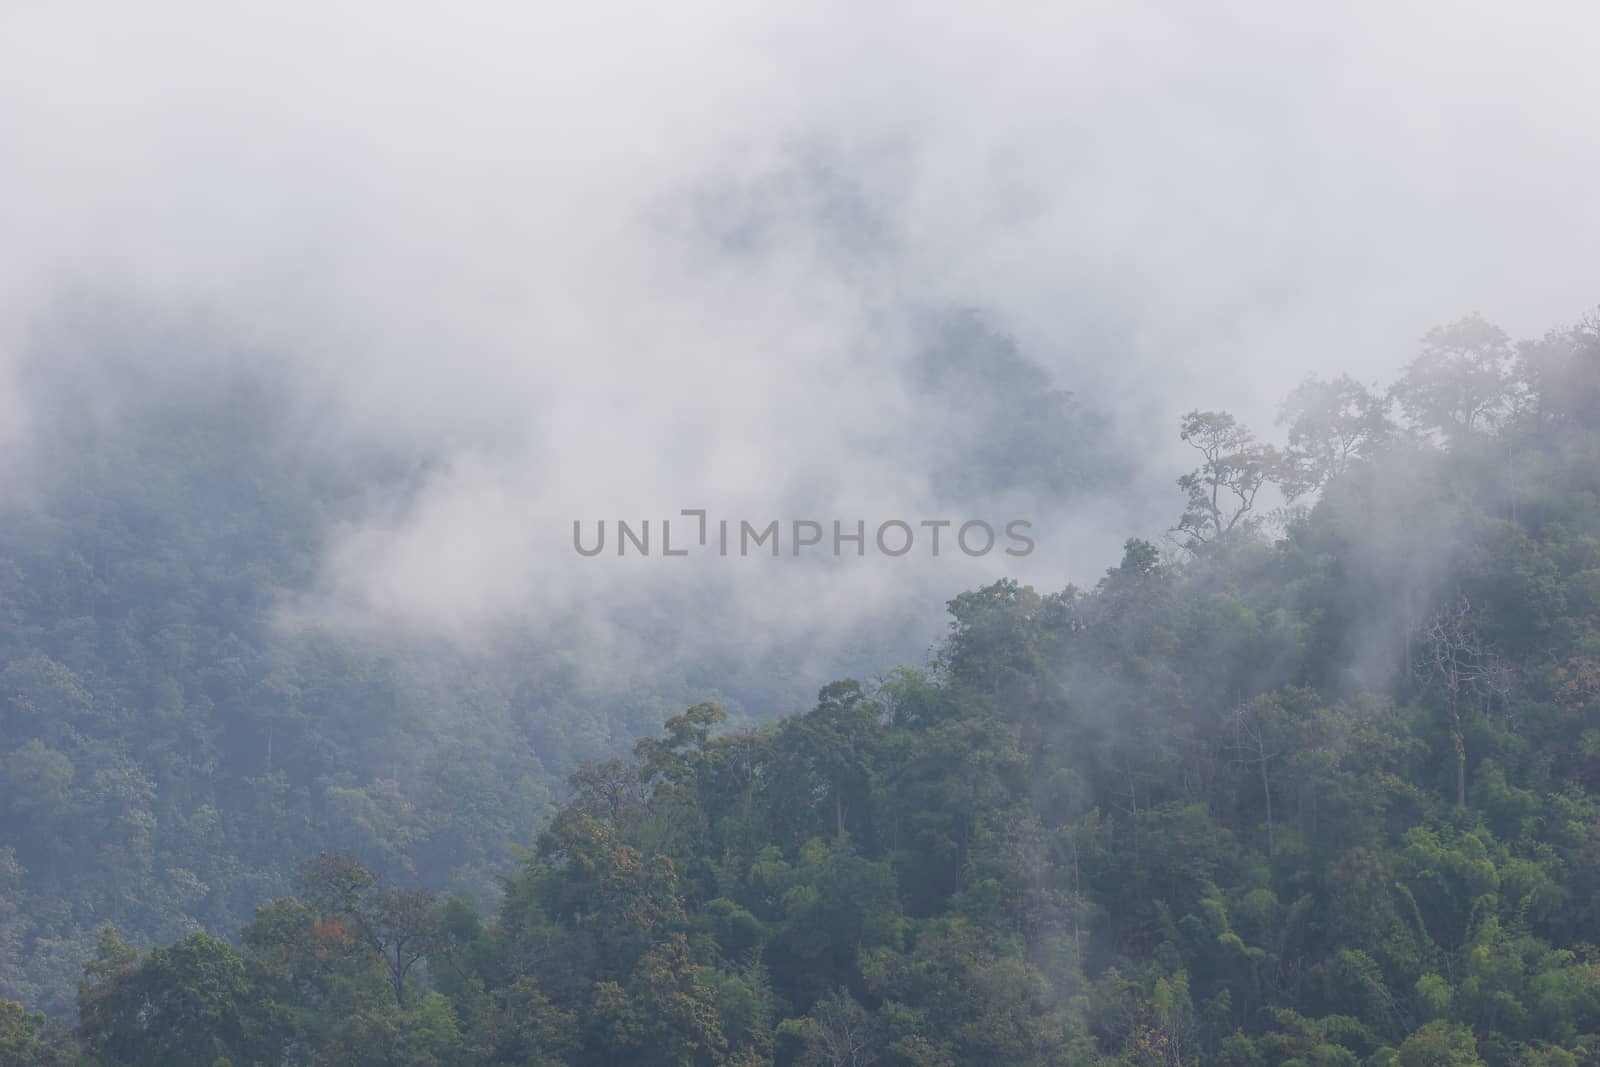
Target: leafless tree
840, 1034
1251, 748
1456, 664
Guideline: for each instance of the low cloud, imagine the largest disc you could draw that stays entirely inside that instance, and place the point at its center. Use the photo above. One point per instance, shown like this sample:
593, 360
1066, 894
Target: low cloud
615, 262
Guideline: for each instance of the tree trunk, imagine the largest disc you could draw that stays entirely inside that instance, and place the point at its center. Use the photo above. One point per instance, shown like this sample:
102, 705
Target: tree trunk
1266, 788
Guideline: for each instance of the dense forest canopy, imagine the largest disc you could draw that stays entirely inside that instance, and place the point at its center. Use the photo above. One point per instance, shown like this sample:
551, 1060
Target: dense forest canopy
171, 745
1318, 783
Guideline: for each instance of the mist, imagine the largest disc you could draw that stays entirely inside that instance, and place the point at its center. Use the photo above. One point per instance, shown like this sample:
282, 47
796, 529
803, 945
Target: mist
330, 336
617, 263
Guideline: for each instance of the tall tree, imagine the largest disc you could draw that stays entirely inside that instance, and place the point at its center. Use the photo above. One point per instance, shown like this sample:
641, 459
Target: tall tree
400, 925
1461, 382
182, 1004
1222, 490
1464, 671
1332, 424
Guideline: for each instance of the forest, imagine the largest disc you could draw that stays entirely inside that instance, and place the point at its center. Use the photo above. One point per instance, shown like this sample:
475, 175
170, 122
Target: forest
1314, 781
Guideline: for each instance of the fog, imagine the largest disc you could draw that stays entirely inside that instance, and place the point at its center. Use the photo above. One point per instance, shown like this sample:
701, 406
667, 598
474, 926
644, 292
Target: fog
618, 262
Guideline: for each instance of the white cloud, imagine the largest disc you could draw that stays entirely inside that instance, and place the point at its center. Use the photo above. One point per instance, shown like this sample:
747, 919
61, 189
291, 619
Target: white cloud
500, 238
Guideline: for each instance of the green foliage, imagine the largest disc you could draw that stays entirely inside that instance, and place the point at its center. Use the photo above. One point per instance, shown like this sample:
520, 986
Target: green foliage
1207, 811
29, 1038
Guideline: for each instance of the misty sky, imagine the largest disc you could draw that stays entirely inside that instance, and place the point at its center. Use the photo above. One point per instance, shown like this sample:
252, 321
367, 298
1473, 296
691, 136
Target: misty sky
627, 259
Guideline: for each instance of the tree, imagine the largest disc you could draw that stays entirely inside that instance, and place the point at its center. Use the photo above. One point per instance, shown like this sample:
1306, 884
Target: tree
964, 998
1252, 746
182, 1004
832, 745
1438, 1044
1332, 424
1222, 490
1561, 372
991, 636
1461, 384
108, 1002
677, 757
400, 925
606, 789
29, 1039
839, 1033
1457, 664
519, 1025
664, 1014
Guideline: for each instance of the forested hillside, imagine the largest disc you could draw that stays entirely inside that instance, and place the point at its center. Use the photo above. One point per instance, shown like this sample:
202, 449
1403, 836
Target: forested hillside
163, 752
170, 748
1321, 788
